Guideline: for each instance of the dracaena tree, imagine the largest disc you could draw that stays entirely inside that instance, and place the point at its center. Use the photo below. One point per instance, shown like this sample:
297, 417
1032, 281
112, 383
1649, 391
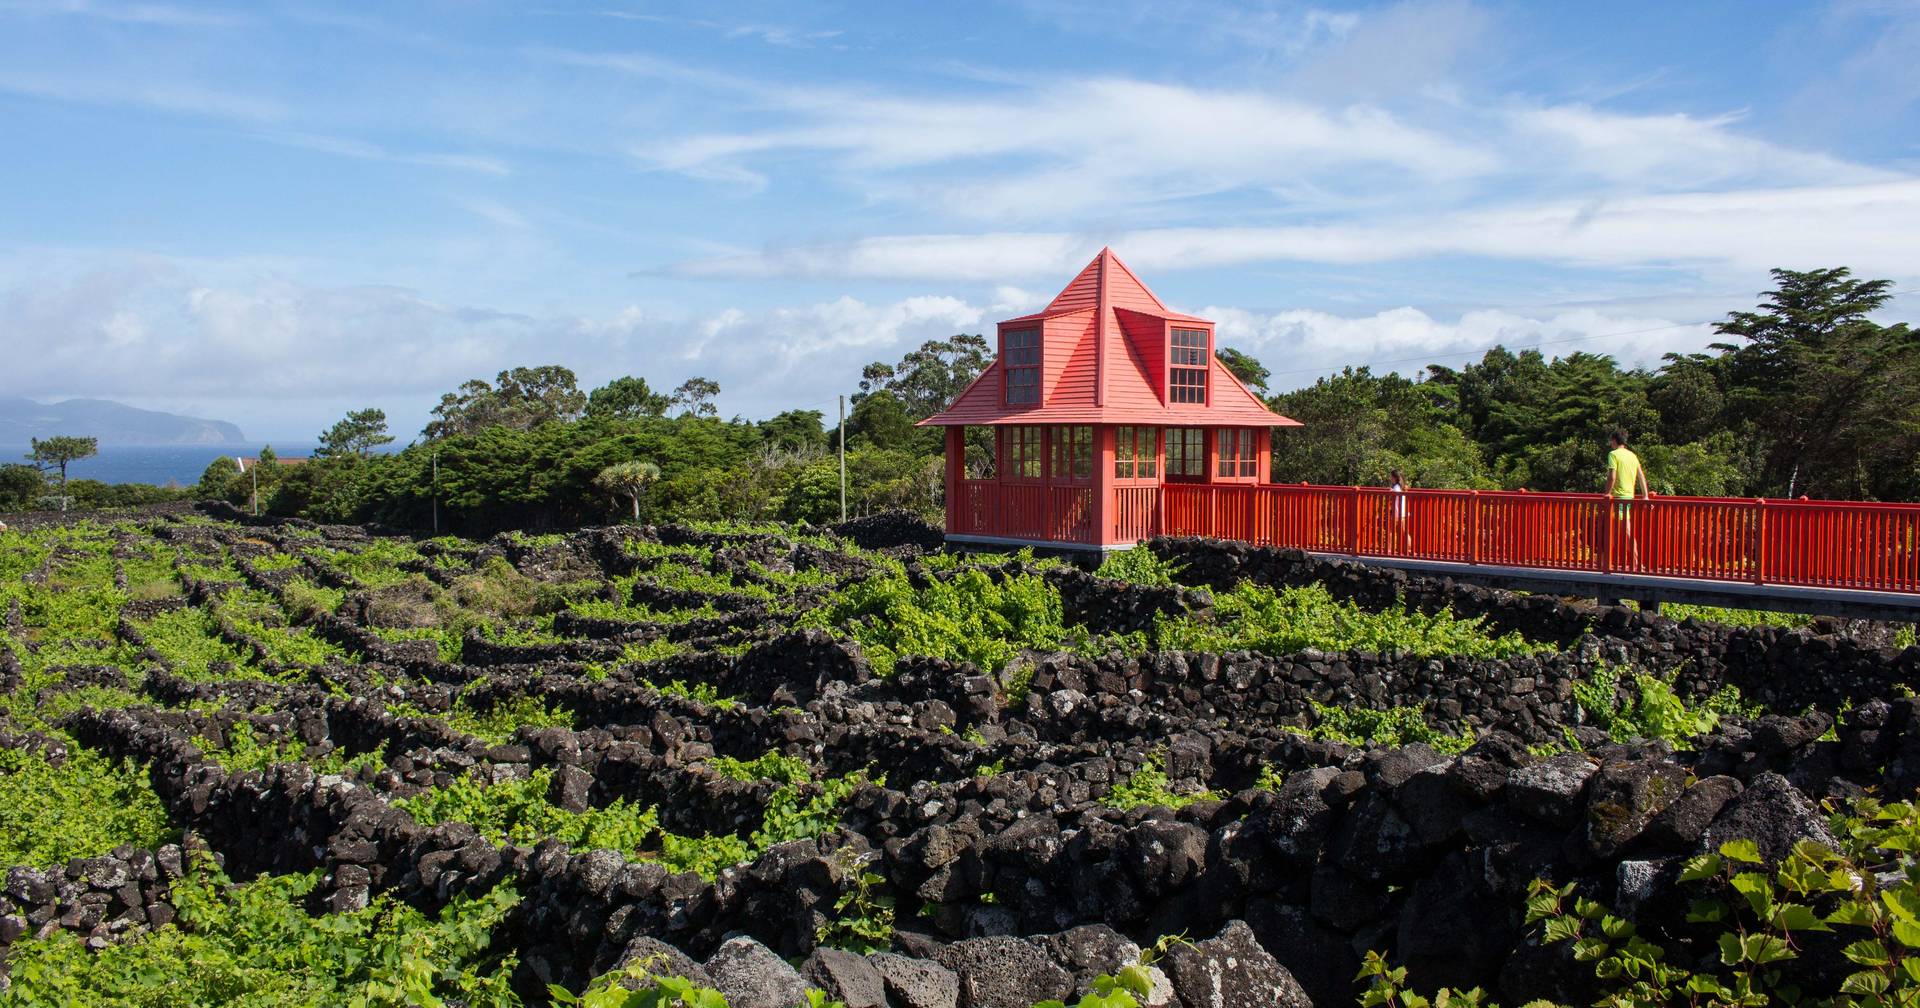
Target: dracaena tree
629, 480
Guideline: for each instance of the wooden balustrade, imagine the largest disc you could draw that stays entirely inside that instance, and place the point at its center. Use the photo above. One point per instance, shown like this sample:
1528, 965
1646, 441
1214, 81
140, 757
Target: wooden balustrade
1826, 544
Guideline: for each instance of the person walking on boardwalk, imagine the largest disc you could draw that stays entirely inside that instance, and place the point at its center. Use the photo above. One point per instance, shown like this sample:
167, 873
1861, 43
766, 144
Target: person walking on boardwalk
1626, 479
1402, 533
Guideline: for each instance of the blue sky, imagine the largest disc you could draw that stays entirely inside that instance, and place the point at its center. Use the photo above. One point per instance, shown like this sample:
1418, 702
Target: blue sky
274, 213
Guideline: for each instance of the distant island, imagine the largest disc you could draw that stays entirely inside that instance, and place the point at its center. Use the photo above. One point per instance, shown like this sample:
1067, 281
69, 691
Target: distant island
113, 423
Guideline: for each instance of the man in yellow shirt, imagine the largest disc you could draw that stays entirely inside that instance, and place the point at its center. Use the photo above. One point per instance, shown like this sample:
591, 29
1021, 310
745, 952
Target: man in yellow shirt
1624, 477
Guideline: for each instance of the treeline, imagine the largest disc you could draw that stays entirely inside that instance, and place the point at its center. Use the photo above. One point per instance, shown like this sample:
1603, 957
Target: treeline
42, 482
1807, 396
532, 450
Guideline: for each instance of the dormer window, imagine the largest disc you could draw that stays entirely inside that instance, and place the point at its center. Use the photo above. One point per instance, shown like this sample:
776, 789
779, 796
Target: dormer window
1187, 379
1020, 355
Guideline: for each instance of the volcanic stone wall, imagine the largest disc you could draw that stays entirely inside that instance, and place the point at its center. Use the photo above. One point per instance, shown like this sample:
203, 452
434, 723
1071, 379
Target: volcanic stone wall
990, 818
1784, 668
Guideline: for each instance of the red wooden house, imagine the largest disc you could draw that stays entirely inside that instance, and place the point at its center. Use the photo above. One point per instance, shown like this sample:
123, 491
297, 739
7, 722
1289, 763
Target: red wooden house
1095, 404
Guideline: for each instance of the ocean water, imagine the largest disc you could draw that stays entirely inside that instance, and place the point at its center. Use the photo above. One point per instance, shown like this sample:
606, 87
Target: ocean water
156, 464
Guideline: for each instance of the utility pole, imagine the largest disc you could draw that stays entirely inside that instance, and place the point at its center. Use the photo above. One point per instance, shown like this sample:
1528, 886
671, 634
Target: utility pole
843, 458
256, 487
436, 491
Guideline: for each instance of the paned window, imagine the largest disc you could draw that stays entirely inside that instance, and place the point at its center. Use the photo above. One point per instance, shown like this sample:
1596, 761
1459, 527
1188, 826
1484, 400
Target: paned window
1186, 453
1020, 355
1072, 453
1023, 453
1237, 458
1187, 381
1136, 452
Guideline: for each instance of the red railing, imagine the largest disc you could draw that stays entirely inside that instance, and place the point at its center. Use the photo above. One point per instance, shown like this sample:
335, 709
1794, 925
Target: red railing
1023, 511
1827, 544
1824, 544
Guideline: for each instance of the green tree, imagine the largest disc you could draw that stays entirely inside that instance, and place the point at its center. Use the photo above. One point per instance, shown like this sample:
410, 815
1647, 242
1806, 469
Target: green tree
880, 420
1713, 466
217, 478
626, 399
56, 453
1251, 372
1690, 396
1358, 425
695, 397
795, 430
815, 495
20, 486
519, 399
629, 480
927, 379
1833, 397
356, 436
1541, 424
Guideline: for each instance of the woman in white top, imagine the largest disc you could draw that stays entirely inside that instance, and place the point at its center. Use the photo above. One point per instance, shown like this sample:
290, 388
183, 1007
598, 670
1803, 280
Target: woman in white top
1403, 534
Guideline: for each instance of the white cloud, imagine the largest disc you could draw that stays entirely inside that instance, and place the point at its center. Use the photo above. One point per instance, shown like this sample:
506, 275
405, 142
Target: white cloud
131, 13
1266, 29
773, 35
1074, 145
1406, 49
1669, 152
296, 356
1114, 147
165, 96
1298, 346
1868, 227
366, 151
497, 213
1016, 300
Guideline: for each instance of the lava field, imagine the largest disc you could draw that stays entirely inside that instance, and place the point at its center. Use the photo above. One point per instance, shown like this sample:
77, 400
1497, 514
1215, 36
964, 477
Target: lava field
774, 759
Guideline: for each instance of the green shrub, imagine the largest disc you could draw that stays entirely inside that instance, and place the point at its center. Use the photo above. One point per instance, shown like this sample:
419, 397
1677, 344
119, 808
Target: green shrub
1857, 909
189, 640
1396, 726
965, 617
256, 946
1734, 617
83, 808
377, 564
517, 811
768, 766
1254, 617
497, 724
862, 919
1149, 786
1651, 709
447, 642
245, 751
1139, 566
637, 987
687, 578
701, 693
306, 600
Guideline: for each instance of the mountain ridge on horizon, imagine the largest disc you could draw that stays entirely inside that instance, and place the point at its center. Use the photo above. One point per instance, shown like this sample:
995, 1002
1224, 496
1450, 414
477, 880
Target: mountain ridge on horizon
22, 419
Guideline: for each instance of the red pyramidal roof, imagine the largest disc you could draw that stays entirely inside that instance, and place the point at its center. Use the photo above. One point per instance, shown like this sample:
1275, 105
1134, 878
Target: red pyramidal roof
1104, 359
